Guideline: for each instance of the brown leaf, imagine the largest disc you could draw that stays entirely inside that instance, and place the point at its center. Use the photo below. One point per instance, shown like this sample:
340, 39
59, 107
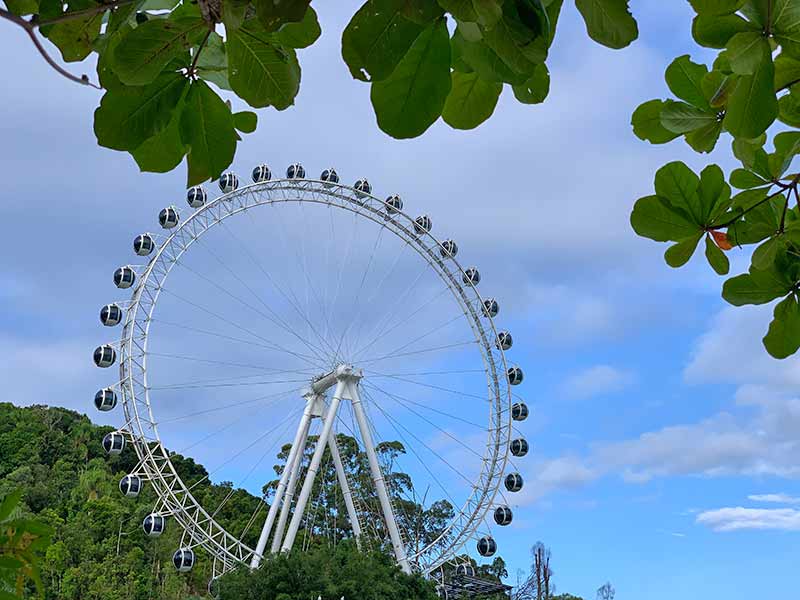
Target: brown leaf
721, 239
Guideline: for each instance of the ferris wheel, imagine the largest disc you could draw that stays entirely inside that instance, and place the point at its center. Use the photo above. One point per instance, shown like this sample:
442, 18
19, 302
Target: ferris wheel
290, 315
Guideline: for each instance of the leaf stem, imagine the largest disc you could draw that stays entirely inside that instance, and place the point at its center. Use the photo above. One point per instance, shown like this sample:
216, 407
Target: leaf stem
29, 28
193, 66
785, 209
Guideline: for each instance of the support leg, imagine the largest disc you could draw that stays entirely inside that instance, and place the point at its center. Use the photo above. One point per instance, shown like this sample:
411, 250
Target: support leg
377, 478
345, 486
308, 483
288, 497
299, 441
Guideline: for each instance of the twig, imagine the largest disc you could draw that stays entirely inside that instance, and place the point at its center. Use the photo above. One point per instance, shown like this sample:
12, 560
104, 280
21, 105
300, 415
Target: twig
29, 28
791, 187
80, 13
193, 66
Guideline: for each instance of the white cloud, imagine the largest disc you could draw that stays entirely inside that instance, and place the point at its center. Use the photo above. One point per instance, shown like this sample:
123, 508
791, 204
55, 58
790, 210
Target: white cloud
595, 381
731, 352
739, 518
758, 436
566, 472
774, 498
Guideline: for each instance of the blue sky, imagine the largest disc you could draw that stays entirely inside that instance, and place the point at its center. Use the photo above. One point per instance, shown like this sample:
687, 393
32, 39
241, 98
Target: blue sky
665, 440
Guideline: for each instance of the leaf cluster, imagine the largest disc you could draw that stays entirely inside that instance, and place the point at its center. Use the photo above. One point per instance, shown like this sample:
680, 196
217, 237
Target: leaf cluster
22, 541
418, 71
751, 86
164, 63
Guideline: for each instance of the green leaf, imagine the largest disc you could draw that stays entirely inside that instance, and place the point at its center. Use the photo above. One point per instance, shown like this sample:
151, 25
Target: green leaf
715, 31
749, 198
483, 60
752, 107
22, 7
245, 121
144, 52
787, 71
471, 100
260, 71
678, 185
207, 127
750, 152
746, 51
212, 64
409, 101
274, 13
377, 38
756, 287
148, 5
608, 22
165, 150
718, 87
9, 503
655, 218
485, 12
679, 117
716, 257
713, 193
518, 45
745, 180
685, 79
128, 116
716, 7
234, 13
789, 110
680, 253
536, 88
646, 121
783, 336
76, 37
302, 34
765, 254
787, 146
705, 138
422, 12
786, 25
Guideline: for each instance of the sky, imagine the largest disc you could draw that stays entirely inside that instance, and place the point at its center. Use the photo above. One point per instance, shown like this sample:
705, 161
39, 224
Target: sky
664, 439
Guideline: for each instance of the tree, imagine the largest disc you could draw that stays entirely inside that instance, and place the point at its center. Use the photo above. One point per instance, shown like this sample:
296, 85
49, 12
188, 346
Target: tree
753, 85
537, 584
156, 59
606, 591
327, 572
421, 524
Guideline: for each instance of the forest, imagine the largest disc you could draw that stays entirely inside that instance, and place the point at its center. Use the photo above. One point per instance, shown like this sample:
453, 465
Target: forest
97, 549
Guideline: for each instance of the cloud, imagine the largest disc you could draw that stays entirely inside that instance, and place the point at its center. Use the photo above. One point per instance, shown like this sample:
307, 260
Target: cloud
758, 436
596, 381
774, 498
566, 472
739, 518
731, 352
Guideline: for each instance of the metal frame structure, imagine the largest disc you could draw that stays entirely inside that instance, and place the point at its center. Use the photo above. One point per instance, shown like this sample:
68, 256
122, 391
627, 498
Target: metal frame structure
141, 426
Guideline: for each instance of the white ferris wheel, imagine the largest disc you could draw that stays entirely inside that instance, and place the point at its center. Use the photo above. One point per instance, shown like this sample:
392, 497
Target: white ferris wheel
303, 310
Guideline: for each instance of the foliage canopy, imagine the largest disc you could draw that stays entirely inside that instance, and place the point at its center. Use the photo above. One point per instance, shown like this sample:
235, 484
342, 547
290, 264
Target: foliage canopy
751, 86
424, 59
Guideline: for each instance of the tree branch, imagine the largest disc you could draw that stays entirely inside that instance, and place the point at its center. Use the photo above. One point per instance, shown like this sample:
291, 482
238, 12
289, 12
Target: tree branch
759, 203
29, 28
87, 12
